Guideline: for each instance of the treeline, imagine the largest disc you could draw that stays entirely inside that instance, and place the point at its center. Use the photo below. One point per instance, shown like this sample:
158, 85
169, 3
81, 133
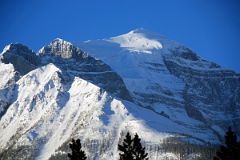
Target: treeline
184, 150
93, 149
131, 148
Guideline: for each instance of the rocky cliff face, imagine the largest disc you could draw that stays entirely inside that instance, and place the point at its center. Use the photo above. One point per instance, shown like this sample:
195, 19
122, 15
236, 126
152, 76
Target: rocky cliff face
63, 49
211, 92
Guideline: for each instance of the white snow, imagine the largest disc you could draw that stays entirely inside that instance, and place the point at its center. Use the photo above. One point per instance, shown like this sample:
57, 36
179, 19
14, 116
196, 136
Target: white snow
39, 112
7, 74
6, 48
142, 73
137, 42
54, 112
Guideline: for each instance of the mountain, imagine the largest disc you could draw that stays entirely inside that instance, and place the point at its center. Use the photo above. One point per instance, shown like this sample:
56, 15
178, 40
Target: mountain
169, 78
99, 89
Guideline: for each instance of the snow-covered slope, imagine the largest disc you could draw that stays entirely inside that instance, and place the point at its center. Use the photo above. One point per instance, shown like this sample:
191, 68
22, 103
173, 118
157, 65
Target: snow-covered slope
136, 42
47, 113
139, 82
7, 75
173, 80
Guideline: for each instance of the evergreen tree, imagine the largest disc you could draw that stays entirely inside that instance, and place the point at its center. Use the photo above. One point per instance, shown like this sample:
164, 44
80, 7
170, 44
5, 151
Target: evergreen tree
77, 152
132, 149
231, 149
139, 151
126, 148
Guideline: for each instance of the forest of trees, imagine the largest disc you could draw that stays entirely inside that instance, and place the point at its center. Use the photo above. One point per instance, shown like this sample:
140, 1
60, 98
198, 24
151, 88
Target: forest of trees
131, 148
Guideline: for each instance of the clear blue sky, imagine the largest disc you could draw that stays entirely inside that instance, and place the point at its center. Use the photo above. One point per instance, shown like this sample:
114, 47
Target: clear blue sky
209, 27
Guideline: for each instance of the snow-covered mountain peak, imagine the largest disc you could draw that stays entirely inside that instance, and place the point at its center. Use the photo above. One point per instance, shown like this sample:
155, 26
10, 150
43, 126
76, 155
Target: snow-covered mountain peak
18, 49
22, 58
62, 48
48, 70
102, 89
61, 41
137, 41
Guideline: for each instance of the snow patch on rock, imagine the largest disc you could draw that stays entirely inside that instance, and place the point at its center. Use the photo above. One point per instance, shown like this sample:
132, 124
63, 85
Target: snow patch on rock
6, 48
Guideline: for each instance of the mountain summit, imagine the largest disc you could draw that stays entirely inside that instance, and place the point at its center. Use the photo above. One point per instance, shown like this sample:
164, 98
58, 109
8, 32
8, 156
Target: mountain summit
62, 48
137, 41
100, 89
